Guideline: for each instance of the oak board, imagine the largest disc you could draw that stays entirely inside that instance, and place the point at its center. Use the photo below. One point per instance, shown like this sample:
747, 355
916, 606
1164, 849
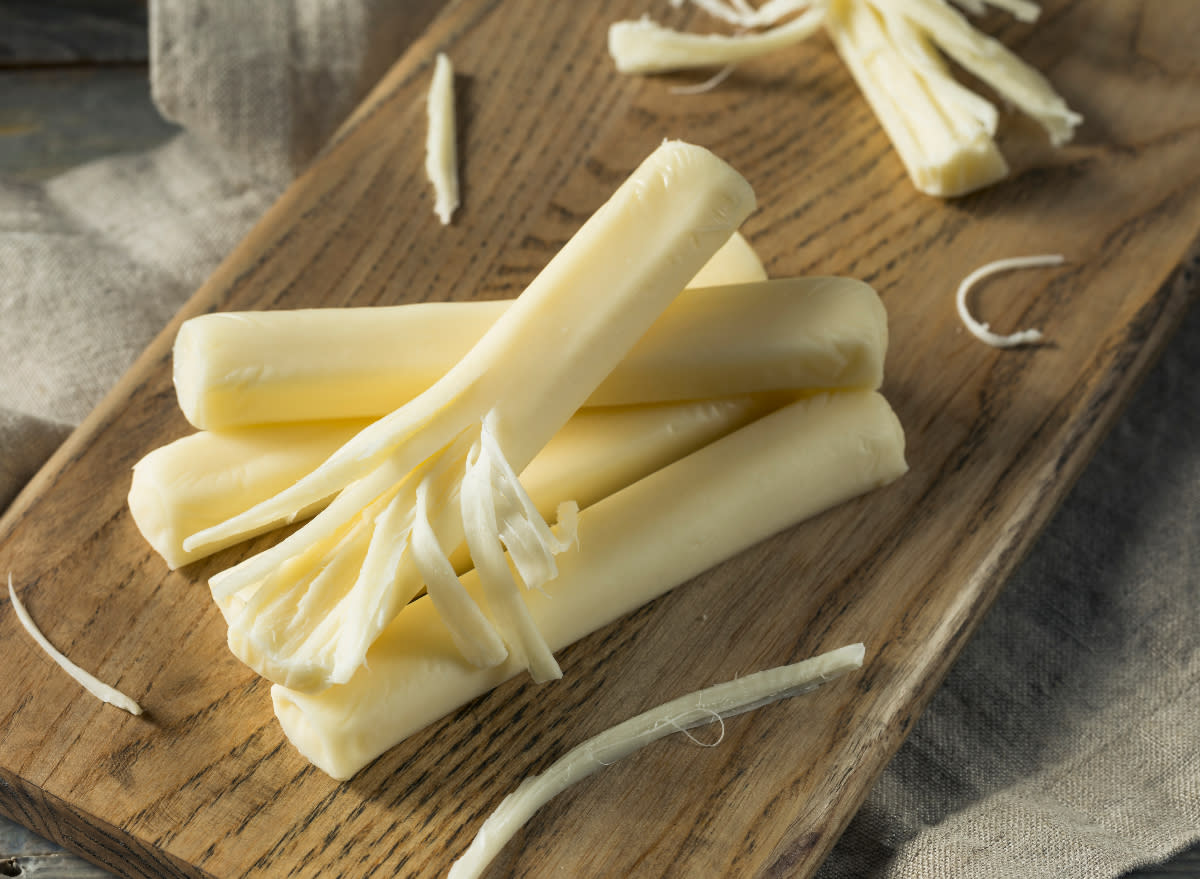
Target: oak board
204, 783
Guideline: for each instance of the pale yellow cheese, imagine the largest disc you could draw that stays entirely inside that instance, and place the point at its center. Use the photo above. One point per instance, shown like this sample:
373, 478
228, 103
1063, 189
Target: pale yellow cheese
511, 393
202, 479
785, 334
941, 131
633, 546
102, 691
441, 150
233, 369
645, 47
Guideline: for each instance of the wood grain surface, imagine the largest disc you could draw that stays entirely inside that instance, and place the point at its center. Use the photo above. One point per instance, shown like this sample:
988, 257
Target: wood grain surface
205, 785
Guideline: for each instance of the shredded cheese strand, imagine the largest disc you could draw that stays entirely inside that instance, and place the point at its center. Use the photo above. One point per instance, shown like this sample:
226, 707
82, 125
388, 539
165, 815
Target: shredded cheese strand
441, 153
93, 685
474, 636
981, 330
508, 609
992, 62
703, 706
646, 47
707, 85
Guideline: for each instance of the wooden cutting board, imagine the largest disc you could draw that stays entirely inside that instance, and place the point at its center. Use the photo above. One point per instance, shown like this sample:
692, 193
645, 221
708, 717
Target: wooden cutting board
204, 783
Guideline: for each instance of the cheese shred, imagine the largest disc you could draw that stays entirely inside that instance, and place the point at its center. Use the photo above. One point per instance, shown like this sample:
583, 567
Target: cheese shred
981, 330
709, 705
93, 685
441, 152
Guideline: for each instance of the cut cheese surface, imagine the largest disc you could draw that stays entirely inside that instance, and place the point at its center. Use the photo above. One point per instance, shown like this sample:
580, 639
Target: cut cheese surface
633, 546
243, 368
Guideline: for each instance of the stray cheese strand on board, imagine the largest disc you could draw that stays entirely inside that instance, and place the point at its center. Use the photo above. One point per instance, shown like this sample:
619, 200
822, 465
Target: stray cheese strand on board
299, 624
710, 705
633, 546
233, 369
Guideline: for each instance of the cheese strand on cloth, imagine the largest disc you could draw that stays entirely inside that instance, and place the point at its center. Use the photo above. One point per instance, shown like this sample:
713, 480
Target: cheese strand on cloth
633, 546
233, 369
523, 380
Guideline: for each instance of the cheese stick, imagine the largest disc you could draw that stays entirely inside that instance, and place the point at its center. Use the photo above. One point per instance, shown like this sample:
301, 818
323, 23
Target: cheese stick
207, 477
237, 368
633, 546
262, 367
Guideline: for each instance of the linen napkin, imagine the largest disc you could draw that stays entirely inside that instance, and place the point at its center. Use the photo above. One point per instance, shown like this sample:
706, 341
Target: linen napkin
1066, 740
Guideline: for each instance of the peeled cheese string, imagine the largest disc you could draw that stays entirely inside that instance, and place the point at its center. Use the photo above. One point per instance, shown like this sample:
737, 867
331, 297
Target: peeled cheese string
708, 85
982, 331
719, 702
96, 687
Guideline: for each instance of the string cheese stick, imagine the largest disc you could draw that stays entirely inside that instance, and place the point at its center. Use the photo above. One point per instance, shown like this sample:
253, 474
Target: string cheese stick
88, 681
795, 333
992, 62
441, 153
893, 48
710, 705
240, 368
633, 546
941, 131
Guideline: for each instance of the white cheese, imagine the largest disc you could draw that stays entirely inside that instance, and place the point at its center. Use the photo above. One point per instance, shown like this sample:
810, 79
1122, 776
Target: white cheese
233, 369
633, 546
710, 705
893, 48
441, 148
645, 47
982, 331
93, 685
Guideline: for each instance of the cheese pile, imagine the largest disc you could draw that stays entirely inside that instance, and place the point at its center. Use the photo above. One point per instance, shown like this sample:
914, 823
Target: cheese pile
896, 51
655, 434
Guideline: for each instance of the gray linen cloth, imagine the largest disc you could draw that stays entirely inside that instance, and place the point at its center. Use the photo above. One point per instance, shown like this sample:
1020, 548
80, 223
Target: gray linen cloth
1066, 741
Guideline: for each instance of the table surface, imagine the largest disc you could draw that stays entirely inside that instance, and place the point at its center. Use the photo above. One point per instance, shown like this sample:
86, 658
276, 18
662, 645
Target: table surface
74, 87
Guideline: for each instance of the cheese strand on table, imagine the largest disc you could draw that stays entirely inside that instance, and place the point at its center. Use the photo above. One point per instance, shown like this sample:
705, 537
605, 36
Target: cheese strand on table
633, 546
